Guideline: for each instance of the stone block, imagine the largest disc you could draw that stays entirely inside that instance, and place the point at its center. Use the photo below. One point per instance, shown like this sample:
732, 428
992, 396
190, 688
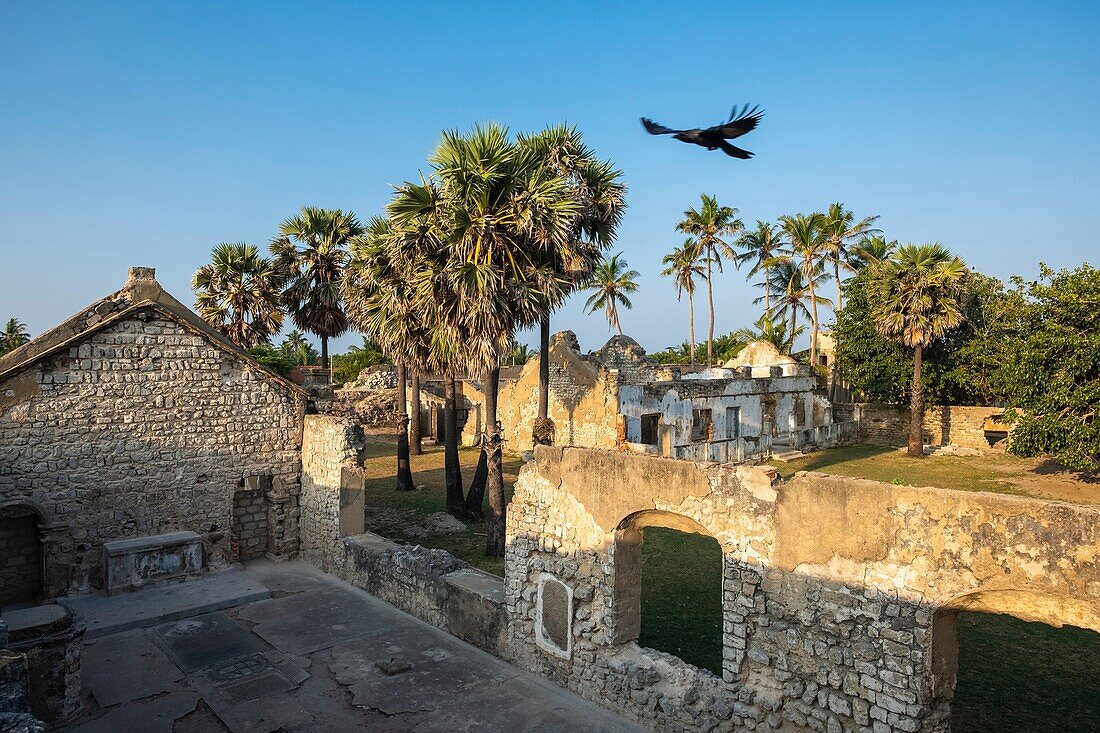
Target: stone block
140, 561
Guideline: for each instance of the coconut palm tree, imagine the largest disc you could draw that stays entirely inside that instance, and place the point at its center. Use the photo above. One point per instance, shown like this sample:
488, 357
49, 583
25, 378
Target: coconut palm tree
519, 354
311, 250
841, 233
806, 241
239, 293
15, 335
870, 251
762, 245
774, 331
917, 293
683, 264
789, 292
600, 195
611, 284
708, 225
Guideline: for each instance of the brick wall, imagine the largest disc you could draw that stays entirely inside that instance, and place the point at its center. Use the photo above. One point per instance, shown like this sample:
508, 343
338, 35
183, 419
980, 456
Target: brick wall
144, 427
250, 522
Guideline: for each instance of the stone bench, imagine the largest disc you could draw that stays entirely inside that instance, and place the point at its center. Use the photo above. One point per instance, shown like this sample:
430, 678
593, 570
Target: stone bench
133, 563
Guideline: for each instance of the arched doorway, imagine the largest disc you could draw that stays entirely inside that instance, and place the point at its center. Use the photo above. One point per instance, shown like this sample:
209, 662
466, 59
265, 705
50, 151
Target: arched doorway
1002, 661
21, 570
668, 587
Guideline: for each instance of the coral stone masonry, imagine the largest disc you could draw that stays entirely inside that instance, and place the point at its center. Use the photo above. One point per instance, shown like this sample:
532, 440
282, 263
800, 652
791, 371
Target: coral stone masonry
136, 418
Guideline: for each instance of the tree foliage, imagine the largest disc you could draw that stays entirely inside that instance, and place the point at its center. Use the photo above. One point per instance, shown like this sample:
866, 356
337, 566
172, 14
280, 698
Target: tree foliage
13, 336
1057, 369
238, 293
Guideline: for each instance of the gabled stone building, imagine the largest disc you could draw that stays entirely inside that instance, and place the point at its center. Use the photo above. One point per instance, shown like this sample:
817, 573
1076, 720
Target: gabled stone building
136, 418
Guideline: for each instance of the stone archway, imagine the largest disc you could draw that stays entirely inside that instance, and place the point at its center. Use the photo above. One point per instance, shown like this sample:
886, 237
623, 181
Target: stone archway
22, 573
981, 629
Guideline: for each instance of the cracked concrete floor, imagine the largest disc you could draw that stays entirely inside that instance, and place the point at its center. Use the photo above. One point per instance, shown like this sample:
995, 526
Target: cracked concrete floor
306, 660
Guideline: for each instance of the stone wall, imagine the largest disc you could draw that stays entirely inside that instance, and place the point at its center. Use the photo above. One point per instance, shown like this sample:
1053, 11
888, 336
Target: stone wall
142, 427
332, 450
883, 424
839, 595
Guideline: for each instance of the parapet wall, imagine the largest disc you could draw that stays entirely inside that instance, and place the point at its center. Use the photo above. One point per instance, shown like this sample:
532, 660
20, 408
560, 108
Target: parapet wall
884, 424
838, 594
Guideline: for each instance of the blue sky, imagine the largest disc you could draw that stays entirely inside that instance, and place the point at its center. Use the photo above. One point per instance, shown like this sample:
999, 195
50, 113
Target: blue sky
145, 133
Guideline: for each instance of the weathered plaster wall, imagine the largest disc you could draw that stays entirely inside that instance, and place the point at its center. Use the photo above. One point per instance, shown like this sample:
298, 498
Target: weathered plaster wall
943, 425
838, 593
142, 428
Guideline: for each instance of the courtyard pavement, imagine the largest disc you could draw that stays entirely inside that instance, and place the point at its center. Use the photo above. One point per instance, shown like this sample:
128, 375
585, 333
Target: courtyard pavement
315, 655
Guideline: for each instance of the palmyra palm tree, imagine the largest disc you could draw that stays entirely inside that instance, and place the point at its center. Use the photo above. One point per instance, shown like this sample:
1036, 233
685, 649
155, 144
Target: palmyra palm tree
762, 245
503, 217
239, 293
805, 238
519, 354
683, 264
611, 284
15, 335
600, 195
917, 293
841, 234
708, 225
311, 250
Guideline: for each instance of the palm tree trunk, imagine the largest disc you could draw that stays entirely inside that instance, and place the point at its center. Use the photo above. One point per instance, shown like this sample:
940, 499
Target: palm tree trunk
691, 325
767, 289
916, 408
710, 301
472, 507
494, 545
813, 326
404, 473
794, 325
836, 276
452, 469
324, 354
416, 445
544, 367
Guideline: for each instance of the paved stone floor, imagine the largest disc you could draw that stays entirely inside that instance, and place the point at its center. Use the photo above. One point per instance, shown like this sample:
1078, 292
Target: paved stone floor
317, 655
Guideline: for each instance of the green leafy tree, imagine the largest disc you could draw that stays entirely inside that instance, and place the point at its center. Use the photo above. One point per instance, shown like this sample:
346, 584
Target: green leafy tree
683, 265
347, 367
611, 283
708, 225
1057, 373
917, 300
519, 354
15, 335
272, 358
311, 251
298, 349
238, 293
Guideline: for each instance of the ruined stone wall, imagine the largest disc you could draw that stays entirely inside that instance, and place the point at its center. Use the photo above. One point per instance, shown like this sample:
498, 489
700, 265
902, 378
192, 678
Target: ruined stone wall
943, 425
331, 460
838, 594
142, 428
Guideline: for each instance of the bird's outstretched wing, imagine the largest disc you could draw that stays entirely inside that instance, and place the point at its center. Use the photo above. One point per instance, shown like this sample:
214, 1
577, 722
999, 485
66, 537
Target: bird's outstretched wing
733, 151
739, 122
654, 129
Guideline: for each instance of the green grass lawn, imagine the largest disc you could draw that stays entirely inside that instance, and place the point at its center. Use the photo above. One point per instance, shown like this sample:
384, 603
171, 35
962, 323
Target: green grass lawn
1025, 677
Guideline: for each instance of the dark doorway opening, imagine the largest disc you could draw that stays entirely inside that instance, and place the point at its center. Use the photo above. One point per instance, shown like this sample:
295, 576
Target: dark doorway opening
20, 556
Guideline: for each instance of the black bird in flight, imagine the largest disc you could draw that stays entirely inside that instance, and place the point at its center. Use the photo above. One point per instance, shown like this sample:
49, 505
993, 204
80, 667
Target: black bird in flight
715, 137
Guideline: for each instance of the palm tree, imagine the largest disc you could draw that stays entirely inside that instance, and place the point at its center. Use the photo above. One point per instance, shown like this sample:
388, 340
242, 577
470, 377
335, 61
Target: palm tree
15, 335
503, 218
917, 294
298, 349
870, 251
805, 237
311, 251
787, 285
596, 188
708, 225
761, 246
774, 331
519, 354
611, 283
841, 232
683, 265
238, 293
